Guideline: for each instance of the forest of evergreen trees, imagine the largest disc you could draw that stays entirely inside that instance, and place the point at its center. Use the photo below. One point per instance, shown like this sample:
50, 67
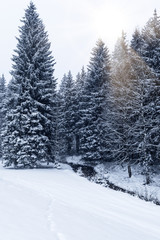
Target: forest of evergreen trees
110, 112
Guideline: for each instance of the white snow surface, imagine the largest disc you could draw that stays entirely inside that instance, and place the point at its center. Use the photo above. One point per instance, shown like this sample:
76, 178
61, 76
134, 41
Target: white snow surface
51, 204
118, 175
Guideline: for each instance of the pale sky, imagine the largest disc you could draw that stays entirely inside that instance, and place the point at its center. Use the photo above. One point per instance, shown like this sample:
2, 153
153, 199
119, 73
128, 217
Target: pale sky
73, 26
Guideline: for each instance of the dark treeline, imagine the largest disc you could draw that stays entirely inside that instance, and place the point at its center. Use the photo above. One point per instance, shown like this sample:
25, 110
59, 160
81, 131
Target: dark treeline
110, 112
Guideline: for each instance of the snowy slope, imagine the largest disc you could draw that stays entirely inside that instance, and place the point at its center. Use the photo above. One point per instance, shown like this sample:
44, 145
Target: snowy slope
118, 175
55, 204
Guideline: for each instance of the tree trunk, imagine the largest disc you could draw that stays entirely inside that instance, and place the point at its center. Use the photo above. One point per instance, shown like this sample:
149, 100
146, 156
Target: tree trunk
129, 171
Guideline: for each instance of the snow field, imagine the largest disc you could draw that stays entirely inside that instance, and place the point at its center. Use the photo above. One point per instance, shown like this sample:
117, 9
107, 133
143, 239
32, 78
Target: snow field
60, 205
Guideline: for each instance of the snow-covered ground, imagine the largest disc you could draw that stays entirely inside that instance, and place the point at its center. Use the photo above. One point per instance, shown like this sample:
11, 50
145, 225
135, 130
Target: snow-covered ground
51, 204
118, 175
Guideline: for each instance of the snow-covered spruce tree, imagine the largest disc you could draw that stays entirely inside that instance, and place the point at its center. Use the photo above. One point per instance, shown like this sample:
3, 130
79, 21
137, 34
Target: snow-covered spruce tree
66, 113
2, 107
93, 144
149, 117
151, 55
79, 100
23, 133
137, 41
60, 131
8, 133
149, 50
143, 77
129, 72
30, 127
122, 90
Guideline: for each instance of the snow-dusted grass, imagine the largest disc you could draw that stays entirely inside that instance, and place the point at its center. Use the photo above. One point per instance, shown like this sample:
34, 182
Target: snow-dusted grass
118, 175
112, 174
51, 204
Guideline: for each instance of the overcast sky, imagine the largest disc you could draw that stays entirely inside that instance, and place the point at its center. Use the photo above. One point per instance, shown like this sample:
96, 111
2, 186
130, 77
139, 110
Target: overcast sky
73, 26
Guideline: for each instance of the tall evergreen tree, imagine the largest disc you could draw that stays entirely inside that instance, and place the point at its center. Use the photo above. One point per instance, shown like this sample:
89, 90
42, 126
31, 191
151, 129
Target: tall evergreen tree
151, 43
148, 48
143, 78
132, 81
66, 121
151, 55
79, 105
137, 41
95, 95
2, 107
30, 126
129, 72
122, 90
